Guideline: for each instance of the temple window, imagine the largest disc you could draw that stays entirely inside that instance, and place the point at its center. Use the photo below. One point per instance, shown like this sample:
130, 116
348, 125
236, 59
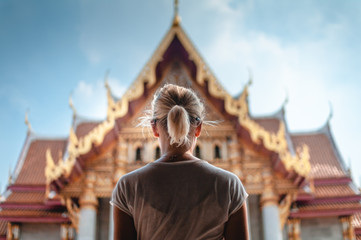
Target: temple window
217, 152
197, 151
157, 153
138, 154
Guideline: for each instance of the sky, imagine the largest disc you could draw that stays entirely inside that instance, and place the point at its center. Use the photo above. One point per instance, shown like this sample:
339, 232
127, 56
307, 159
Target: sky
308, 52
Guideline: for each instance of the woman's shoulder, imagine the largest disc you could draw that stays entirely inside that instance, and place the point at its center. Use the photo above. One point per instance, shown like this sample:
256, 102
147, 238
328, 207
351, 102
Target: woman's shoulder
132, 176
219, 171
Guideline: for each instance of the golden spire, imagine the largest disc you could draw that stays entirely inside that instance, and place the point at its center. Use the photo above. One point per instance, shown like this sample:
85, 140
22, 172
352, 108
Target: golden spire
177, 18
71, 105
27, 121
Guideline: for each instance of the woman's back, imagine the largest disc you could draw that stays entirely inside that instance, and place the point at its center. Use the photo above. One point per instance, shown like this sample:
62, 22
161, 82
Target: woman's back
179, 196
188, 199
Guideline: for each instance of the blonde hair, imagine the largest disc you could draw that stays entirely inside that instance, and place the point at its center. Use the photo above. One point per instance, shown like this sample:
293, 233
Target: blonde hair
178, 110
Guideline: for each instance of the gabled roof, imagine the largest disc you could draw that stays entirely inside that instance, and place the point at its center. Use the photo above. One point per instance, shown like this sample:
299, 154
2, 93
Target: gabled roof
325, 159
26, 198
333, 192
176, 45
32, 170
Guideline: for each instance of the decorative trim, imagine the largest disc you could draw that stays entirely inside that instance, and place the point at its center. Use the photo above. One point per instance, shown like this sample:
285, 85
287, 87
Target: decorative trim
284, 208
73, 212
294, 229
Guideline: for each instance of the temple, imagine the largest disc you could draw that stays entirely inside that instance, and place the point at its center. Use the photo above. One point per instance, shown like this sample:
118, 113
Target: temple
298, 184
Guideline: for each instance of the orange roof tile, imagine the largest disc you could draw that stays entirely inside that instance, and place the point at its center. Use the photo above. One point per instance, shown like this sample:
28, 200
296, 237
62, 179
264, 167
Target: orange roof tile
270, 124
26, 197
29, 213
323, 206
83, 128
340, 190
32, 171
3, 227
324, 163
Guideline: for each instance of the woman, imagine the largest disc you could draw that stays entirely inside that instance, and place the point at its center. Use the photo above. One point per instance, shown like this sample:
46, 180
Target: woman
179, 196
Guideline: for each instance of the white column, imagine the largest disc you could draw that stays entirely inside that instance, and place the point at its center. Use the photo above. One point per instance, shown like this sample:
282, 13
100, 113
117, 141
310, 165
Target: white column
269, 204
87, 224
111, 224
271, 224
88, 209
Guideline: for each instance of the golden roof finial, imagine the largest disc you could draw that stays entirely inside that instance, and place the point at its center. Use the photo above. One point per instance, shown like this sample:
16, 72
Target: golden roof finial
286, 99
106, 83
27, 121
10, 179
71, 105
177, 18
250, 80
111, 103
330, 115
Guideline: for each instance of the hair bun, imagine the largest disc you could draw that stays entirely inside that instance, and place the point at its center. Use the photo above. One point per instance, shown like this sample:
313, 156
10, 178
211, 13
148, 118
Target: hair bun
178, 125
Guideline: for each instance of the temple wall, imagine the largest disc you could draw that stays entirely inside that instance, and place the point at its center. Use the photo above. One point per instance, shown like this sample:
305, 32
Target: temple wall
103, 219
321, 229
36, 231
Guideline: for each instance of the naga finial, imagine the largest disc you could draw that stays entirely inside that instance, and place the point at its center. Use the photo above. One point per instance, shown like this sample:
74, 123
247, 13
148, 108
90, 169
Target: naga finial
106, 83
250, 79
27, 121
330, 115
71, 105
10, 179
285, 102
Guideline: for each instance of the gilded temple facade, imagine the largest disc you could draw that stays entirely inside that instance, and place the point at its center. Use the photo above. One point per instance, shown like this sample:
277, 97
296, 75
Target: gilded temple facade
298, 184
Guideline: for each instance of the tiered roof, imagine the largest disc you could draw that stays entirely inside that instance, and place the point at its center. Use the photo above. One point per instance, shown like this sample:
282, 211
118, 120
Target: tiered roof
26, 199
332, 191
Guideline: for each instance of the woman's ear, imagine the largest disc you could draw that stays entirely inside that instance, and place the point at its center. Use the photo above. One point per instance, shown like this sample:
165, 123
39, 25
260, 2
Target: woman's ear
154, 128
198, 130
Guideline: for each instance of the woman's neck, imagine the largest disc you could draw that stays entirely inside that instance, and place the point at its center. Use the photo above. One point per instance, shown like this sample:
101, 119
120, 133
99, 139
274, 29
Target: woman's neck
176, 156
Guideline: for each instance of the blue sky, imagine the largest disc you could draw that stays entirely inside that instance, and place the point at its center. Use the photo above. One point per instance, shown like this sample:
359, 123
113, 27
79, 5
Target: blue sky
308, 50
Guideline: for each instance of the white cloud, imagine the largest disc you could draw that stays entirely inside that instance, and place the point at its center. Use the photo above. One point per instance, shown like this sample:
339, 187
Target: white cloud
310, 70
90, 99
84, 89
116, 87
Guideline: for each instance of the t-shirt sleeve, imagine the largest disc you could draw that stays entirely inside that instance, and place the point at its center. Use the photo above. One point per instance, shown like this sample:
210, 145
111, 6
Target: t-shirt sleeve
120, 198
238, 195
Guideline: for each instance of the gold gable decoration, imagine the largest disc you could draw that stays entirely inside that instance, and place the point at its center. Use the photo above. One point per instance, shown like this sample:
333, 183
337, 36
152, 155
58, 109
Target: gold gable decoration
236, 107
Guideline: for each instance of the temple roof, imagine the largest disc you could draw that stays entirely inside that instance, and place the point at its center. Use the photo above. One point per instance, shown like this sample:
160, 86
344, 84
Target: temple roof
323, 158
84, 128
270, 124
26, 199
335, 190
32, 169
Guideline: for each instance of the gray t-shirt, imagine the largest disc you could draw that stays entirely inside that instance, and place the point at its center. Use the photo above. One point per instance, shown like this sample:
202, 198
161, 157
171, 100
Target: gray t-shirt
189, 199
